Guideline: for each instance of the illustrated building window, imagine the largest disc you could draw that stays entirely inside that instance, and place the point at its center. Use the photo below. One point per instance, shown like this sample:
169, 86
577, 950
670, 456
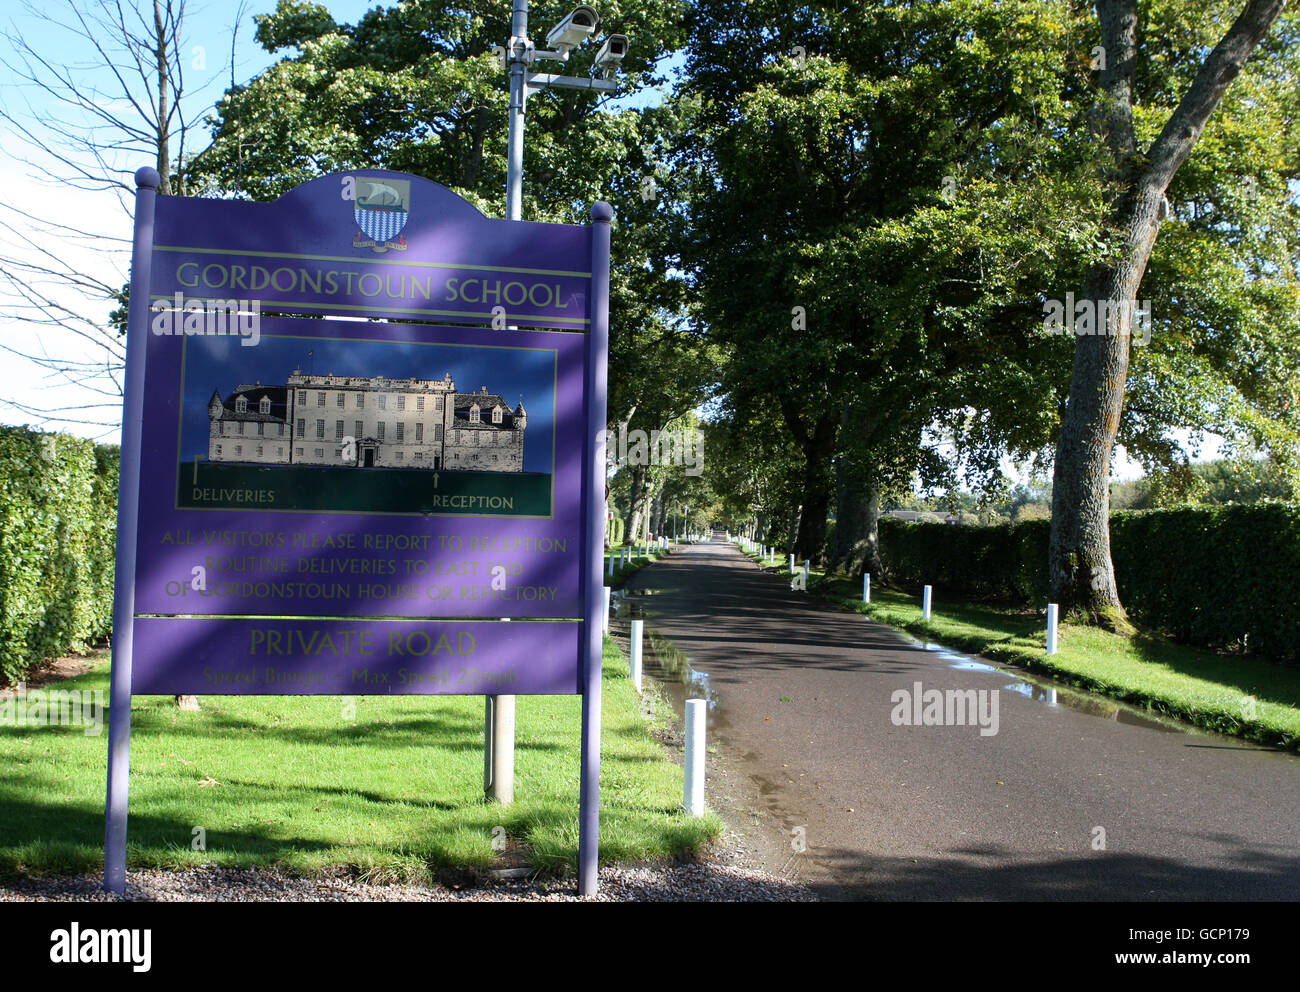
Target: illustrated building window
279, 451
261, 429
357, 432
320, 399
218, 449
320, 429
239, 449
496, 415
473, 414
338, 452
399, 456
241, 404
380, 434
419, 432
419, 456
401, 432
302, 430
320, 452
361, 401
225, 428
302, 396
419, 403
437, 432
298, 451
401, 401
241, 427
279, 430
338, 430
437, 402
383, 401
259, 451
341, 399
264, 404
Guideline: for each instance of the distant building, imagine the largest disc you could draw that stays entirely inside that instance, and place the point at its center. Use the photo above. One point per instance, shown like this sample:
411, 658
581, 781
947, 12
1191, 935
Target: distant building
920, 516
367, 422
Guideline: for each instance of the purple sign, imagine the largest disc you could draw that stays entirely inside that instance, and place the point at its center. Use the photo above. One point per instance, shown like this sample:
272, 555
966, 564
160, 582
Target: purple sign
360, 466
376, 244
375, 500
362, 657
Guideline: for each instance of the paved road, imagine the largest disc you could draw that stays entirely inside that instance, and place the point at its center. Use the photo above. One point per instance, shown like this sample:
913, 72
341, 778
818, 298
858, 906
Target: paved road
894, 812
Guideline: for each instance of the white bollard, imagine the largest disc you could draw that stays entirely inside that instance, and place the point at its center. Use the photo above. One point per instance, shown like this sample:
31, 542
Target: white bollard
637, 626
925, 603
1053, 612
696, 713
866, 587
611, 564
792, 564
607, 592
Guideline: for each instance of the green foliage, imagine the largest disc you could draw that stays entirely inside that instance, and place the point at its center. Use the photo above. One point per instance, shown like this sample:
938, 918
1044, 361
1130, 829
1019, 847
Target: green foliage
1003, 562
1224, 577
58, 504
617, 528
1227, 577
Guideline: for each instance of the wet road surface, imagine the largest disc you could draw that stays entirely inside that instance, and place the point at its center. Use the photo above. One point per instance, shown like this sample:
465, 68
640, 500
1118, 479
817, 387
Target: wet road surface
1059, 803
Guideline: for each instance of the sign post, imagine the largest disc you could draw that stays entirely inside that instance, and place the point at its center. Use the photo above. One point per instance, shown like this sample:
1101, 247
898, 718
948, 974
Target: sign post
331, 507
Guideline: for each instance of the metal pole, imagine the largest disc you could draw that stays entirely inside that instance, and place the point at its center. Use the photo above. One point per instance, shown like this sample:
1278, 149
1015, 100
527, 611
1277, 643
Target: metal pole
500, 712
597, 381
128, 516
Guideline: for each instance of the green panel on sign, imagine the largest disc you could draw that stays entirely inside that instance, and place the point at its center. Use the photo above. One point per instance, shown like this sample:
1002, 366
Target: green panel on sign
348, 489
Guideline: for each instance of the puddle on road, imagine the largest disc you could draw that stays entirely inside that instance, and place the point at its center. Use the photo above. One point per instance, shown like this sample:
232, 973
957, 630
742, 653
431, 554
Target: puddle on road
1045, 691
672, 669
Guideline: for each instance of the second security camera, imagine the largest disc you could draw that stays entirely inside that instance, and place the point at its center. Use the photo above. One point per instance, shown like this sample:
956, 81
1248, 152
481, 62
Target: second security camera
612, 52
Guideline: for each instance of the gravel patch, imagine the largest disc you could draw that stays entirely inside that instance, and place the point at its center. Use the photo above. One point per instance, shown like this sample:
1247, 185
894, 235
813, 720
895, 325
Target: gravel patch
693, 882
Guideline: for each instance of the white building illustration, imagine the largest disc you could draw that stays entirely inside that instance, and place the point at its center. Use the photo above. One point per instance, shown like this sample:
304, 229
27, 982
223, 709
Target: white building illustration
367, 422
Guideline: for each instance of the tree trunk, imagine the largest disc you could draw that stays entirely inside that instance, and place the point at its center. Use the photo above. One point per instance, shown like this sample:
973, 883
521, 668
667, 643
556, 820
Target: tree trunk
1081, 573
857, 530
637, 518
816, 506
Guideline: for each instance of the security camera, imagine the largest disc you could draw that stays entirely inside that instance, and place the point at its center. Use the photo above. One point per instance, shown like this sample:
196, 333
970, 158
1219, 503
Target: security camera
612, 52
571, 32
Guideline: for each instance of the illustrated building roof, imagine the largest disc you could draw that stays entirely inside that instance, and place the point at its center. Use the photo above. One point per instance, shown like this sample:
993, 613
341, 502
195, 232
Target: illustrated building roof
254, 393
485, 401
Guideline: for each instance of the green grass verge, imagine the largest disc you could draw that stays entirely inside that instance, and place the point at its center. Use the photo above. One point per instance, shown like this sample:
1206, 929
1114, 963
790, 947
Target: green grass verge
1243, 697
634, 563
394, 794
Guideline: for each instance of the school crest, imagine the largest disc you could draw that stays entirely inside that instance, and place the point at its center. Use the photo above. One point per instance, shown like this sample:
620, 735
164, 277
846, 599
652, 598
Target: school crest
381, 208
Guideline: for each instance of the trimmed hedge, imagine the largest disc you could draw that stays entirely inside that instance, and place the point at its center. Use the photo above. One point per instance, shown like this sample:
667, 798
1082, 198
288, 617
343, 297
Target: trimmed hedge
1227, 577
58, 518
1224, 577
1003, 563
